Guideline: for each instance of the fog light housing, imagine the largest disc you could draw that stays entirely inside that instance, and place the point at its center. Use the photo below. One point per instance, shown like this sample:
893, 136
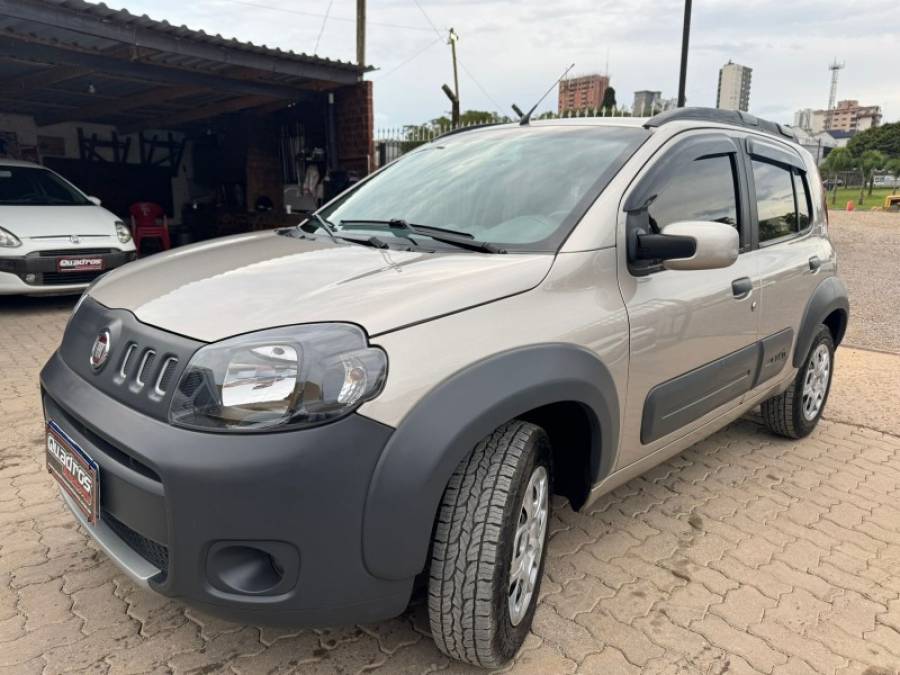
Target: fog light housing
252, 567
30, 278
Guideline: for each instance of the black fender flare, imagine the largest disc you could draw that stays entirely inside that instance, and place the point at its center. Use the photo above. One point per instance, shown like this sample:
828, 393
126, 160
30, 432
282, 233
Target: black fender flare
830, 294
443, 427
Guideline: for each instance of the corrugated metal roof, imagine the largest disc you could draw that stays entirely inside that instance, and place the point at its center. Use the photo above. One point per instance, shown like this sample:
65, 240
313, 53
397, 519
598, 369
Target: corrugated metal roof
125, 18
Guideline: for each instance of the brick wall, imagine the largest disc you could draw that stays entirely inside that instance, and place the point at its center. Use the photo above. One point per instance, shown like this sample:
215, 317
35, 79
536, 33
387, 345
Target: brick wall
263, 163
354, 122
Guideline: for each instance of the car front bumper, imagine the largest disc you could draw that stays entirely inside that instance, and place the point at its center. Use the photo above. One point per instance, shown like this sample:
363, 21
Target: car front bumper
38, 273
255, 528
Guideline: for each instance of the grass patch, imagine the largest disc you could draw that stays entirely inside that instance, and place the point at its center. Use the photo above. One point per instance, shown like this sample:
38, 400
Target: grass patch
846, 194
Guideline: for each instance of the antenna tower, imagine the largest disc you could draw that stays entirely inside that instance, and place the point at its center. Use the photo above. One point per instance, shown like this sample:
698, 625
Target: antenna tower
835, 68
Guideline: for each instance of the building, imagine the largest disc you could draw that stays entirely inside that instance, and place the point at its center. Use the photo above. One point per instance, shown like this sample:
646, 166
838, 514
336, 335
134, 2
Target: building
646, 103
818, 144
734, 87
222, 134
817, 121
840, 137
582, 93
803, 119
849, 115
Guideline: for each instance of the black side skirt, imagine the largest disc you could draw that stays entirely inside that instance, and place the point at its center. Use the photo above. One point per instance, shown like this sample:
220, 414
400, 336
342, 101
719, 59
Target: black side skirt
688, 397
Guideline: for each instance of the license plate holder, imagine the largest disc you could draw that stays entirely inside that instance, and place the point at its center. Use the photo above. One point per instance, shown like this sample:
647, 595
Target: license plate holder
74, 470
85, 263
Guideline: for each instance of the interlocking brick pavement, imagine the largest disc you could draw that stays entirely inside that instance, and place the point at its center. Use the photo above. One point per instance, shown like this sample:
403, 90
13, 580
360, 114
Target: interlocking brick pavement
744, 554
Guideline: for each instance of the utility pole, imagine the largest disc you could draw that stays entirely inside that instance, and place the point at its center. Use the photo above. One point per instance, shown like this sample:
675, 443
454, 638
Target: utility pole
453, 37
685, 39
361, 33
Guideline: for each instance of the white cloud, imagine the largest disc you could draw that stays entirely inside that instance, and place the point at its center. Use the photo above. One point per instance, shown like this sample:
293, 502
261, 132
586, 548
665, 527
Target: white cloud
516, 48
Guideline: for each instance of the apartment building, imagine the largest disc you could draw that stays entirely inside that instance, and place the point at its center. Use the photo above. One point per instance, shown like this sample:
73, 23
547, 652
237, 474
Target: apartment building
734, 87
580, 93
850, 116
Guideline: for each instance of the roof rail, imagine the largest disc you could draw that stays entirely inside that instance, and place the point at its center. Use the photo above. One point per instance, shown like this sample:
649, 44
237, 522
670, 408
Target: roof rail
735, 117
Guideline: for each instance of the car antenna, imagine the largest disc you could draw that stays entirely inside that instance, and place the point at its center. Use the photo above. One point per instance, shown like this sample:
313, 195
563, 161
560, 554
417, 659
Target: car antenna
526, 118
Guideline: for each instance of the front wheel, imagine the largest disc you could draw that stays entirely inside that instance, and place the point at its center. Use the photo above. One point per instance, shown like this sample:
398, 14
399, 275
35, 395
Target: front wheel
795, 412
489, 544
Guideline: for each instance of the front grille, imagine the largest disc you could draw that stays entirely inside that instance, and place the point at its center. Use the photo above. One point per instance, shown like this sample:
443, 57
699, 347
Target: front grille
69, 252
64, 278
145, 363
165, 376
154, 553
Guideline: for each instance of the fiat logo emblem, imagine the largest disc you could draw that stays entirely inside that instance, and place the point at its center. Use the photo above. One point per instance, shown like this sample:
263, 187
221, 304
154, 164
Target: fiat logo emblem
100, 350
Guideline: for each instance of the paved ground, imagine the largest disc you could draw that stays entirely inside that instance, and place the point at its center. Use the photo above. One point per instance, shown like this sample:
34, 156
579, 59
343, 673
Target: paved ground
744, 554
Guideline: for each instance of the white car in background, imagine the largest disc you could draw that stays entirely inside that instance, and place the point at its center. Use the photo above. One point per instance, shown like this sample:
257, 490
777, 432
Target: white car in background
54, 239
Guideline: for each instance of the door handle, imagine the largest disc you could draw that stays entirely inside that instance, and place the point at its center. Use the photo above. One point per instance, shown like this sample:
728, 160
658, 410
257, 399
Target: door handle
815, 263
741, 287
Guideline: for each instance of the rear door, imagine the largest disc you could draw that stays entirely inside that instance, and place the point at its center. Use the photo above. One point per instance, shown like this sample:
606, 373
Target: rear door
791, 255
693, 334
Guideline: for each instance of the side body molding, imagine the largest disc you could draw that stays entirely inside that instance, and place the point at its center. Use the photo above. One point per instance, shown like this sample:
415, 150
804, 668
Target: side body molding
452, 418
830, 294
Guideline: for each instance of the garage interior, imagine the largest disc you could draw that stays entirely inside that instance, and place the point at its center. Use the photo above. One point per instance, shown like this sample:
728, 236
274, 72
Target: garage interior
225, 136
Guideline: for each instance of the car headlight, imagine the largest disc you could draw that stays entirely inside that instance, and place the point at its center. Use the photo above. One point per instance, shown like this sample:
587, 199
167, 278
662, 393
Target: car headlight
122, 232
8, 239
283, 378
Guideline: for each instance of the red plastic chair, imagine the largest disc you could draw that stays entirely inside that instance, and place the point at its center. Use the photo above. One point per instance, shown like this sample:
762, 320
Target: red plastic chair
149, 221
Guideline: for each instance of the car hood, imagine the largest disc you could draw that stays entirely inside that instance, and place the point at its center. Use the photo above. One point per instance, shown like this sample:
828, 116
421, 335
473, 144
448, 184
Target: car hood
235, 285
55, 222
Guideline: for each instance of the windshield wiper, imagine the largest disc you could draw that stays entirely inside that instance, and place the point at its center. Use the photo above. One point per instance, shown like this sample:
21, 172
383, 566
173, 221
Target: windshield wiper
372, 241
324, 224
442, 234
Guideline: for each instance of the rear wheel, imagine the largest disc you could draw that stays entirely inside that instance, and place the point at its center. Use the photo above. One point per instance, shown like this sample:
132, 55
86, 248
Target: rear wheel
795, 412
489, 547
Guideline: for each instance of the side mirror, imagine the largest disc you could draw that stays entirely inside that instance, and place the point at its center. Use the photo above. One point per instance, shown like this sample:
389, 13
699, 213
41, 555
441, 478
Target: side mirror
96, 201
691, 245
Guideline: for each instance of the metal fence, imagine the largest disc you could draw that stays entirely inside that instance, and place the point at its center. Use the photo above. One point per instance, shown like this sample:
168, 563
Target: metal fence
391, 143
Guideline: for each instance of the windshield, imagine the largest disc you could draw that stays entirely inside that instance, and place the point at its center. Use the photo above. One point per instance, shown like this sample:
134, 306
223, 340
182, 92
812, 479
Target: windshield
34, 186
520, 187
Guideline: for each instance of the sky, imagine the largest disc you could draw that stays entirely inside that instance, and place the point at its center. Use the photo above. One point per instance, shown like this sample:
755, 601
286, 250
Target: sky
511, 51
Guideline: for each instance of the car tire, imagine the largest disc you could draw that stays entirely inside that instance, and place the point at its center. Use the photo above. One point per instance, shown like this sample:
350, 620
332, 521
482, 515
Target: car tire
497, 503
796, 412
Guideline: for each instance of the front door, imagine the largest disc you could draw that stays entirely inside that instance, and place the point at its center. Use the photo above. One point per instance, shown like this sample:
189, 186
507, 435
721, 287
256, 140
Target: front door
693, 334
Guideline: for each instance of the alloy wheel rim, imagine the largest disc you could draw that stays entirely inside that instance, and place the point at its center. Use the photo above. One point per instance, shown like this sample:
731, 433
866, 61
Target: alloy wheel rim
528, 544
815, 382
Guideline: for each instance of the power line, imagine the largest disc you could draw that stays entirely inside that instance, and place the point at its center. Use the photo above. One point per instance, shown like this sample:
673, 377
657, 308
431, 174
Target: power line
497, 107
318, 15
322, 29
428, 19
405, 61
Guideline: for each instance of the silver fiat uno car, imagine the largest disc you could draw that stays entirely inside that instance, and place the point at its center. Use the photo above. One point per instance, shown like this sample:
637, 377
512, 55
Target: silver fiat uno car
295, 426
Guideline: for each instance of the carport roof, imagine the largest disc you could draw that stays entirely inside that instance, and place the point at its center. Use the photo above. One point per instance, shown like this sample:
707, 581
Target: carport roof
64, 60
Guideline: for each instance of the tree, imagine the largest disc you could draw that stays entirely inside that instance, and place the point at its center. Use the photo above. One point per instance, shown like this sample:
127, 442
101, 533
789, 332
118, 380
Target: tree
837, 161
868, 163
609, 99
885, 138
893, 168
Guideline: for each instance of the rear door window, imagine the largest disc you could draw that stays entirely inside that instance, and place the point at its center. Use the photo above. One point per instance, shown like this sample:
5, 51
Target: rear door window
782, 205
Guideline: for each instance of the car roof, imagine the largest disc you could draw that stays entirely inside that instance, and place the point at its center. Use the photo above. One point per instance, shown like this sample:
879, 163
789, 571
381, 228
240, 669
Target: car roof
18, 162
